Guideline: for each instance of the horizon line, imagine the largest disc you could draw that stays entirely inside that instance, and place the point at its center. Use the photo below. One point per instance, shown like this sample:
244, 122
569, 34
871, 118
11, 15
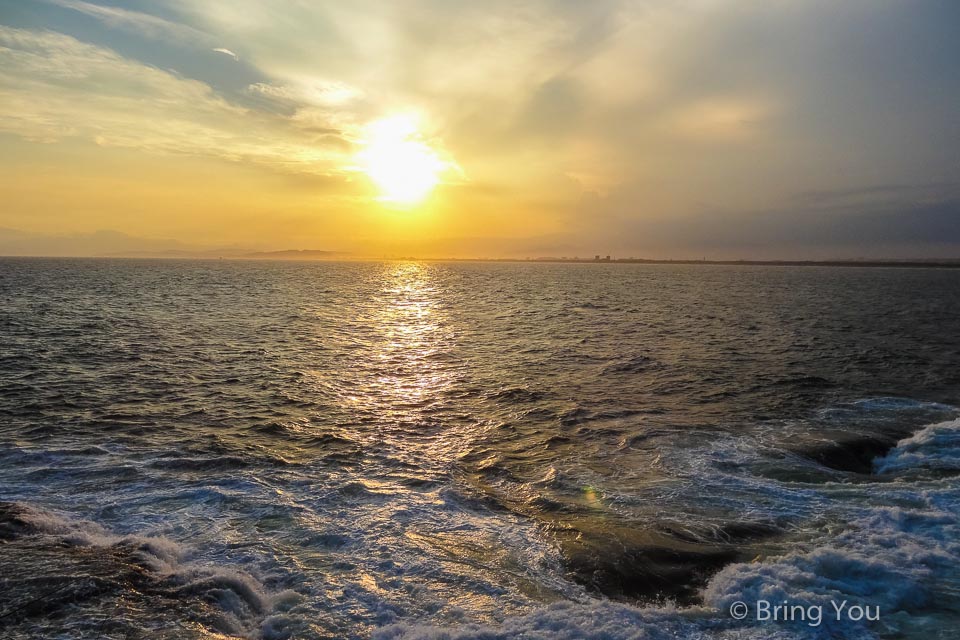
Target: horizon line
345, 257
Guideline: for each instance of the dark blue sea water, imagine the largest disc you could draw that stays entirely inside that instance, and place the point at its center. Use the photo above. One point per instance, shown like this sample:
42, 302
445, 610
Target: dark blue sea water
208, 449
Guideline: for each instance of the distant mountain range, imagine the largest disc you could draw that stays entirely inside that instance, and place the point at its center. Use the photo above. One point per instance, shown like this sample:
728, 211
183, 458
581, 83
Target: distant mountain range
233, 254
106, 243
295, 254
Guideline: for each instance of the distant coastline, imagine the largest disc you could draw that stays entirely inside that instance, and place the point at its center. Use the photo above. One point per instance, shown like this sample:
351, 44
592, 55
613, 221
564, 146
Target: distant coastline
940, 263
302, 255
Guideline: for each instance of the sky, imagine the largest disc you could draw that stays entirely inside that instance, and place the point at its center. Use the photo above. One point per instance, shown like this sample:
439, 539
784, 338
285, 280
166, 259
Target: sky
727, 129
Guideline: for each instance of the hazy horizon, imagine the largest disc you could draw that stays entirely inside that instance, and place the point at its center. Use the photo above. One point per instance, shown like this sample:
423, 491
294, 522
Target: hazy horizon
112, 244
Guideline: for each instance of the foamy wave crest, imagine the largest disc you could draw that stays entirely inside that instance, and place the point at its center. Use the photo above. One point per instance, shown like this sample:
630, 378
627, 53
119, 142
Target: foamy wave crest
900, 560
935, 447
595, 621
892, 558
224, 599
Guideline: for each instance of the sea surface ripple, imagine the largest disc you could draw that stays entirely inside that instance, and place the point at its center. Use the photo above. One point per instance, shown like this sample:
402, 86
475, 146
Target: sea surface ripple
199, 449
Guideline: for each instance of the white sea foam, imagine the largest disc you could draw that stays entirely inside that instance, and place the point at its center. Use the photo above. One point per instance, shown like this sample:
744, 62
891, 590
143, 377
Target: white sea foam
890, 544
935, 447
242, 599
892, 558
595, 621
903, 559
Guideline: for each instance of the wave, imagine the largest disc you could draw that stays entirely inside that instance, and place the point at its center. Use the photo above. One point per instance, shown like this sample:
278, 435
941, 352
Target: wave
593, 621
639, 363
61, 573
515, 395
935, 447
893, 545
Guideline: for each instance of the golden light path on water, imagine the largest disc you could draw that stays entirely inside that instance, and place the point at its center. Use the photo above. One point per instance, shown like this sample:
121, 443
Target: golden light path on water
403, 367
401, 375
414, 337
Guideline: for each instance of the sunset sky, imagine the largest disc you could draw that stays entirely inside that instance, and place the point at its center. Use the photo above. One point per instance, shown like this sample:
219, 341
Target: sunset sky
654, 128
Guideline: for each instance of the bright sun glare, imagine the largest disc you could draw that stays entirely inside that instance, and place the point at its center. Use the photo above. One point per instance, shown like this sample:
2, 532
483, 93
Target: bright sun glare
399, 162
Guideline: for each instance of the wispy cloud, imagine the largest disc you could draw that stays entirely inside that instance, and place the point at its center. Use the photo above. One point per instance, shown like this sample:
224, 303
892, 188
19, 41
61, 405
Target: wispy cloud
226, 52
142, 23
309, 92
53, 86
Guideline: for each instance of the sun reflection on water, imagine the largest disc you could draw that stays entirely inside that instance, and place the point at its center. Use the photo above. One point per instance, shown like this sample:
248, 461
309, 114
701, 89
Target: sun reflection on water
398, 364
414, 340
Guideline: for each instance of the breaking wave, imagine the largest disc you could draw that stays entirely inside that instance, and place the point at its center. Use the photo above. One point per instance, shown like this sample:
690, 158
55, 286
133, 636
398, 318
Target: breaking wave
892, 544
64, 570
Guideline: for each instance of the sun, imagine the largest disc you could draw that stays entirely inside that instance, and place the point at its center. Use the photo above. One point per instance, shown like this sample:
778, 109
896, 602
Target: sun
399, 161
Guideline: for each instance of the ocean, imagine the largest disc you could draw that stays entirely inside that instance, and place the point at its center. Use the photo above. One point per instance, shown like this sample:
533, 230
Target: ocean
466, 450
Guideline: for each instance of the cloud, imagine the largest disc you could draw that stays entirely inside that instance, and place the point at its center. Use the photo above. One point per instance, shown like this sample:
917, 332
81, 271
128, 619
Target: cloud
53, 86
718, 119
635, 116
226, 52
308, 92
141, 23
880, 221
